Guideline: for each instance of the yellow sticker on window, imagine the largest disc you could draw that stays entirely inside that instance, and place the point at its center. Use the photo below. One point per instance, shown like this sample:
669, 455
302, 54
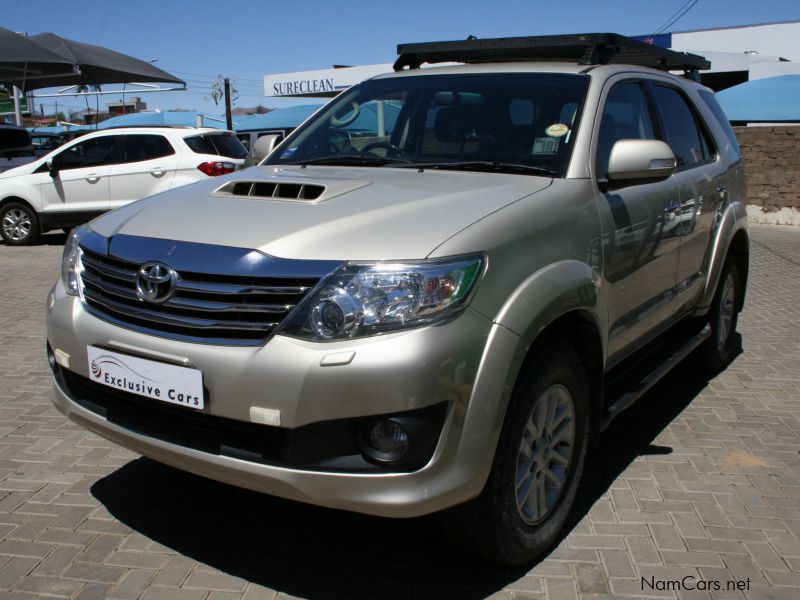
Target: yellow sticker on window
557, 130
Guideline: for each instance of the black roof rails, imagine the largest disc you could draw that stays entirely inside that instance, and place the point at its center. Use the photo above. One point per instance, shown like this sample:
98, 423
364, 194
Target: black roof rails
583, 49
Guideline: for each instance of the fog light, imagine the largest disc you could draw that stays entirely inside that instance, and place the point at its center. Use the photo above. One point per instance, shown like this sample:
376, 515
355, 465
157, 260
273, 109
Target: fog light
389, 438
51, 359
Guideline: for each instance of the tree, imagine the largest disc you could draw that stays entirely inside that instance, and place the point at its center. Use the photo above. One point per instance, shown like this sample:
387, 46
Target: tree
218, 91
85, 89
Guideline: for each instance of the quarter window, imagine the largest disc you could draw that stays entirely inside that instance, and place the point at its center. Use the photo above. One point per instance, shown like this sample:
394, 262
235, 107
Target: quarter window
721, 118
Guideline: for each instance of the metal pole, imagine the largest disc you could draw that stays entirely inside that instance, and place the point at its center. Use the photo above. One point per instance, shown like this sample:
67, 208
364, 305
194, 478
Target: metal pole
17, 108
228, 113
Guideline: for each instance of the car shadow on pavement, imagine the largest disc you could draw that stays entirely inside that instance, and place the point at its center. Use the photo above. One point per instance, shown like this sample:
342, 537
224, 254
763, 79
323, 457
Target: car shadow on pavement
313, 552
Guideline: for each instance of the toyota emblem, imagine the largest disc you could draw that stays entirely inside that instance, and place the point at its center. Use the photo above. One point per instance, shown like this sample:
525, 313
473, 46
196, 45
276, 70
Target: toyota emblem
155, 282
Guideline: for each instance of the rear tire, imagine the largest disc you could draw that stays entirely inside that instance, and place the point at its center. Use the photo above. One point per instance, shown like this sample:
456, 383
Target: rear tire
19, 225
719, 349
538, 464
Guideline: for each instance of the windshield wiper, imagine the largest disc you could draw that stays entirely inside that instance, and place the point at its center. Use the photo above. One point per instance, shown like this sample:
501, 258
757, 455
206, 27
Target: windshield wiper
486, 165
352, 159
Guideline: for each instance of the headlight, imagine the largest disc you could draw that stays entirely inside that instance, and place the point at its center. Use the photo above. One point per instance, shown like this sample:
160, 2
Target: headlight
366, 299
71, 260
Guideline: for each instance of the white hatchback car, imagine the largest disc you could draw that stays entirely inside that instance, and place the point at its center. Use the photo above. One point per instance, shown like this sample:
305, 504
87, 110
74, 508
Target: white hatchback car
106, 169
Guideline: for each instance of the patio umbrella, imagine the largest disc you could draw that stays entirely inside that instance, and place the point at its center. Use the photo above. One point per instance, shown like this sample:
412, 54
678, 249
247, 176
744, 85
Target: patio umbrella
97, 65
23, 60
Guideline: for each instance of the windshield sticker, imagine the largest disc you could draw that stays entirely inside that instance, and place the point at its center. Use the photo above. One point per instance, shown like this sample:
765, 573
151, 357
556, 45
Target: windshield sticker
288, 152
557, 130
545, 145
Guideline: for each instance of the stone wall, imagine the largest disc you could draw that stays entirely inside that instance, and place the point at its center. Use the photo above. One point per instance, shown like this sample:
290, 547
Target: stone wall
772, 160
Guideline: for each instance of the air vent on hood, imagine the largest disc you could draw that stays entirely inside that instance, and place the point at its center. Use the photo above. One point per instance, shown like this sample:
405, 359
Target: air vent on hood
266, 189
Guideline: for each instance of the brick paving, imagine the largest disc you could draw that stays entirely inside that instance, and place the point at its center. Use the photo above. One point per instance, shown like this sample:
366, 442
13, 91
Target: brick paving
699, 481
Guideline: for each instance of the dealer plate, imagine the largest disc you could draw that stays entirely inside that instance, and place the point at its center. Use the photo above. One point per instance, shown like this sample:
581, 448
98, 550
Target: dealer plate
148, 378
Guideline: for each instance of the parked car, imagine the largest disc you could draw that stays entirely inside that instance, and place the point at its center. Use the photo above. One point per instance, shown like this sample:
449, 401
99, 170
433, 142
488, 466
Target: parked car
106, 169
15, 147
438, 315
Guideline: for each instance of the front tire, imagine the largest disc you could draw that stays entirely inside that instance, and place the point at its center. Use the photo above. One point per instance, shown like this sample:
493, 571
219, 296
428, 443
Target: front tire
537, 466
19, 225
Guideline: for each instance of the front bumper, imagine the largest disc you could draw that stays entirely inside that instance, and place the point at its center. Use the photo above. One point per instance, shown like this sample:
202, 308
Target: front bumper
467, 364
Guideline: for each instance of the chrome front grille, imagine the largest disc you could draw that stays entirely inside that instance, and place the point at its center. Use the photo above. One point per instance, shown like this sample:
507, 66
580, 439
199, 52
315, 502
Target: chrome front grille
213, 308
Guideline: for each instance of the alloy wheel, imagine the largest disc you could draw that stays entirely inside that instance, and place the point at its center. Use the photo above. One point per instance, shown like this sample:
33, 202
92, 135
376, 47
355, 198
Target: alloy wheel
545, 454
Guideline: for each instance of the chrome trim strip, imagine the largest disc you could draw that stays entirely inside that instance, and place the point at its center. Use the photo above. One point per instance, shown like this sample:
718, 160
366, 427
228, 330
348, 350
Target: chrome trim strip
201, 305
232, 288
108, 270
178, 321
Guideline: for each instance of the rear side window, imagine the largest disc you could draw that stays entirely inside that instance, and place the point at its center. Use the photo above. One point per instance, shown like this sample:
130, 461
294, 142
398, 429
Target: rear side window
689, 143
721, 118
221, 144
145, 147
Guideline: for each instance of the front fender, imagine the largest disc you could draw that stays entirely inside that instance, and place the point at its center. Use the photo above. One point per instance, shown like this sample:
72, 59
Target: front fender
551, 292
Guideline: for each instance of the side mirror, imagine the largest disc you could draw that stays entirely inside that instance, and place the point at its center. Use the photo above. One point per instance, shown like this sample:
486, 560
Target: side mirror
52, 167
640, 160
265, 145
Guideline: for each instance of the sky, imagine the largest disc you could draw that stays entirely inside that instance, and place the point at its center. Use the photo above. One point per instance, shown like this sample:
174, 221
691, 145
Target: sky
198, 40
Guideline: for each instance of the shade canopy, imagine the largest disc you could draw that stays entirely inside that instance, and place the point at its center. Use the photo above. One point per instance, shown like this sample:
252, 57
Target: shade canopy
161, 118
283, 118
769, 100
24, 60
92, 65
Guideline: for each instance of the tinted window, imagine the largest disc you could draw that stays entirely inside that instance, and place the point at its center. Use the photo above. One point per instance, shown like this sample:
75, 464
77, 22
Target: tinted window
89, 153
680, 127
145, 147
221, 144
626, 116
721, 118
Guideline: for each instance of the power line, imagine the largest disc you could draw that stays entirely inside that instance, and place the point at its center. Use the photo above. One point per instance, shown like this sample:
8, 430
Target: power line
677, 15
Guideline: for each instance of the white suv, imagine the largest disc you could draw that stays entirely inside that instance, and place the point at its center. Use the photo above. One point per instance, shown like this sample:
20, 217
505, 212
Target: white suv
106, 169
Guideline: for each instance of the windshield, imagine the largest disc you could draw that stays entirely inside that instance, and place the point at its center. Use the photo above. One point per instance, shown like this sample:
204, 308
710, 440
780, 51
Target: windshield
517, 122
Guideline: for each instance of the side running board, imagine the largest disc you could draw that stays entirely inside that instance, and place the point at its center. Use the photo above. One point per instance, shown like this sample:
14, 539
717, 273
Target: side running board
645, 373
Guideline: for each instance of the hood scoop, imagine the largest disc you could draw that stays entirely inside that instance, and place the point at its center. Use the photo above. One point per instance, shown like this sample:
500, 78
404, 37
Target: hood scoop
274, 190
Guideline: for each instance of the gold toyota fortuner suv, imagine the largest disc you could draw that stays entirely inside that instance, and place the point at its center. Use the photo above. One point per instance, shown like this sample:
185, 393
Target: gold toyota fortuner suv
434, 294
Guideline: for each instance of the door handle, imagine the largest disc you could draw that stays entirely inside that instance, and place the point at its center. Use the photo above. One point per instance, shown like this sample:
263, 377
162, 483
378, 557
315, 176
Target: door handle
93, 178
158, 172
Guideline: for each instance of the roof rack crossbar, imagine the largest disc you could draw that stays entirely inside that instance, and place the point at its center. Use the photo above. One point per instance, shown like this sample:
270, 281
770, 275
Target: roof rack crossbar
583, 49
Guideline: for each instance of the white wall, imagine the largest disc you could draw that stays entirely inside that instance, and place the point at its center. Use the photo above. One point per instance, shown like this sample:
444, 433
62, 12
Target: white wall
778, 39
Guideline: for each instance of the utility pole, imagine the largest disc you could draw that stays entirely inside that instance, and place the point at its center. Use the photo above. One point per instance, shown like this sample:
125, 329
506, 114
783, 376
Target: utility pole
228, 114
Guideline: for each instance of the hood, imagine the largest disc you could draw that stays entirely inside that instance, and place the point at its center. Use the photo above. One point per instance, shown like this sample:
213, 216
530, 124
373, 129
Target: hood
22, 166
362, 214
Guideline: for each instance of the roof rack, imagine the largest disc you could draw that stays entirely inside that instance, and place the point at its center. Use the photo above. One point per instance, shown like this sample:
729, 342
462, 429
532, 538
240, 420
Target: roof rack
583, 49
152, 126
